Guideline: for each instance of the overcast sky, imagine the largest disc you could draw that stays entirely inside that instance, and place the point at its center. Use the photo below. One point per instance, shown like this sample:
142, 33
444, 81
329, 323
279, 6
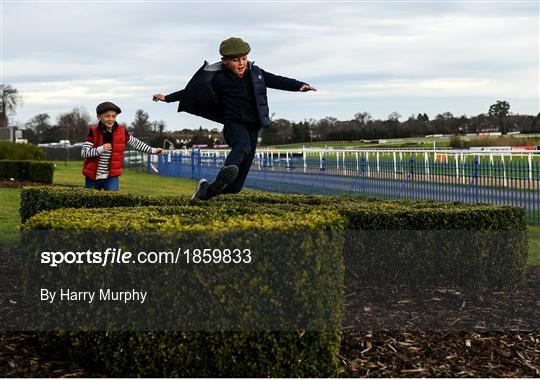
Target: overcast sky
363, 56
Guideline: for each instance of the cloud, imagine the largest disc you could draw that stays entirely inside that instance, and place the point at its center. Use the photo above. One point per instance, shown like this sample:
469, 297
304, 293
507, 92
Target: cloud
383, 54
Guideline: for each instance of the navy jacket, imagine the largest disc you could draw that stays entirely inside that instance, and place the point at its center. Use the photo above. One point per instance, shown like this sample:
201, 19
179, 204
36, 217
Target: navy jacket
199, 98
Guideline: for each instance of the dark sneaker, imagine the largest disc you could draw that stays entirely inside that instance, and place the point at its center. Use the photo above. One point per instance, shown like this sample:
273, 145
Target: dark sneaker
201, 190
226, 175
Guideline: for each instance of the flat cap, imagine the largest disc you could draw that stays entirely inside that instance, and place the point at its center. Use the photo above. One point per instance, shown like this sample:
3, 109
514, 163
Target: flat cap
107, 106
234, 47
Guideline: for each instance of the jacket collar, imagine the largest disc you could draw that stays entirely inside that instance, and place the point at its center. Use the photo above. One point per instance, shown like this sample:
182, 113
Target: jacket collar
218, 66
102, 128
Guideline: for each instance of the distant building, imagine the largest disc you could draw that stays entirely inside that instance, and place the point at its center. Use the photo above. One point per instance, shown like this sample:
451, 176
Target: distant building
182, 137
10, 134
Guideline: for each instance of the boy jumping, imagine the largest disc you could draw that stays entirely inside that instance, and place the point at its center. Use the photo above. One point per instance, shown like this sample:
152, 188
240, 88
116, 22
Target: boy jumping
232, 92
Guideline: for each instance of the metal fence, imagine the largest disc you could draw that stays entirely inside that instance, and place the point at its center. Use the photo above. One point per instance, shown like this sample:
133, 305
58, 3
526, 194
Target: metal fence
510, 178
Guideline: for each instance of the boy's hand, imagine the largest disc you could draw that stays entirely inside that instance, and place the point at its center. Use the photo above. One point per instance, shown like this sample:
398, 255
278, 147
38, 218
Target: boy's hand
159, 151
157, 97
107, 147
307, 87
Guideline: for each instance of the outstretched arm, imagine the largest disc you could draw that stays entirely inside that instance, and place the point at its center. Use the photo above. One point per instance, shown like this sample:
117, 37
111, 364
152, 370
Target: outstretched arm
174, 97
137, 144
283, 83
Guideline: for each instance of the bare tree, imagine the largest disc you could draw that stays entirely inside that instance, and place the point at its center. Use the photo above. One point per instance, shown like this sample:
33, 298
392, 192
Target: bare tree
73, 126
362, 117
158, 126
9, 100
325, 126
141, 126
445, 116
40, 127
394, 116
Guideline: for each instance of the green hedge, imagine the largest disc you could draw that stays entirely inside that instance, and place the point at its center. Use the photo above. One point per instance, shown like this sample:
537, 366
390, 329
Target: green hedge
35, 199
479, 246
199, 354
21, 170
43, 198
412, 242
297, 264
14, 151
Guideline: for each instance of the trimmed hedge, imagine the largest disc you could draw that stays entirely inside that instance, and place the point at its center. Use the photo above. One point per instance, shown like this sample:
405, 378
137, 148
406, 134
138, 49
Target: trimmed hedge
21, 170
410, 242
43, 198
199, 354
418, 243
35, 199
497, 259
299, 267
14, 151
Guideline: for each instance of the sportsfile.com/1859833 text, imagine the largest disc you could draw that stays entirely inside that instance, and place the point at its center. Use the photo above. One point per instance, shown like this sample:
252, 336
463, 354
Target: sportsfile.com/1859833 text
119, 256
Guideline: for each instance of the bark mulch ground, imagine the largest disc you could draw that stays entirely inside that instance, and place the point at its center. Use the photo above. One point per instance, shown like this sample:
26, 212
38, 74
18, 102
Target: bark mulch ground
399, 331
390, 331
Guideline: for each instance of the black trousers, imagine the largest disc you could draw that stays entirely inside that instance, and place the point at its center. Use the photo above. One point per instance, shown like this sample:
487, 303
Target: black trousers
243, 141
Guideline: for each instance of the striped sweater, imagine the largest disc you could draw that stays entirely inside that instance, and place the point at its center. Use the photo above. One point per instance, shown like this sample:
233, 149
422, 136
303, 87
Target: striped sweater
89, 151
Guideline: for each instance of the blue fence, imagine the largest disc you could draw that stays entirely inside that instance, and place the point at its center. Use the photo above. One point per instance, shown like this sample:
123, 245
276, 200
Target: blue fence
474, 180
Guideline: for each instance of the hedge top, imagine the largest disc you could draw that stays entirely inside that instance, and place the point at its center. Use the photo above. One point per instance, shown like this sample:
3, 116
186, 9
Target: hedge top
364, 212
176, 219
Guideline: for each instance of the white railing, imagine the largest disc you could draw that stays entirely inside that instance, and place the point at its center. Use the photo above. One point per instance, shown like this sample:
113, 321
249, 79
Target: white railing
347, 160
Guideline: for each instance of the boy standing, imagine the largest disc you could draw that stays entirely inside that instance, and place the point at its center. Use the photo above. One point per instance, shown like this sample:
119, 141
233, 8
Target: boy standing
103, 150
232, 92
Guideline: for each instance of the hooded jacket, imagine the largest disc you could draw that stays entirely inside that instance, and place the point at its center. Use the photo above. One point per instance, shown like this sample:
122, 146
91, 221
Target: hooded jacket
199, 98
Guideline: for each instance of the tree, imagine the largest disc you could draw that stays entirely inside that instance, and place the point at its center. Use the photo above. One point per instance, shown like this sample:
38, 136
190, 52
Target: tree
40, 128
394, 116
325, 126
444, 116
159, 135
158, 126
9, 100
141, 126
300, 132
73, 126
534, 122
279, 132
501, 110
362, 117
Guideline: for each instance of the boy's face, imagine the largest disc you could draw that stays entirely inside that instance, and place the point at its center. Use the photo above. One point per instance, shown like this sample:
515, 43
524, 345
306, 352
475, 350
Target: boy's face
236, 65
108, 118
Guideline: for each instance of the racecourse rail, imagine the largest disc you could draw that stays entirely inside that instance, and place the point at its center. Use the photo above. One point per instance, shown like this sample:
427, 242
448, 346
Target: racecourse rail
508, 176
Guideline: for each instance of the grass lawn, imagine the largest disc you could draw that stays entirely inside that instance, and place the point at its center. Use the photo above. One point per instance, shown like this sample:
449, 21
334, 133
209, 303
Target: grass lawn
534, 246
9, 215
143, 184
130, 182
